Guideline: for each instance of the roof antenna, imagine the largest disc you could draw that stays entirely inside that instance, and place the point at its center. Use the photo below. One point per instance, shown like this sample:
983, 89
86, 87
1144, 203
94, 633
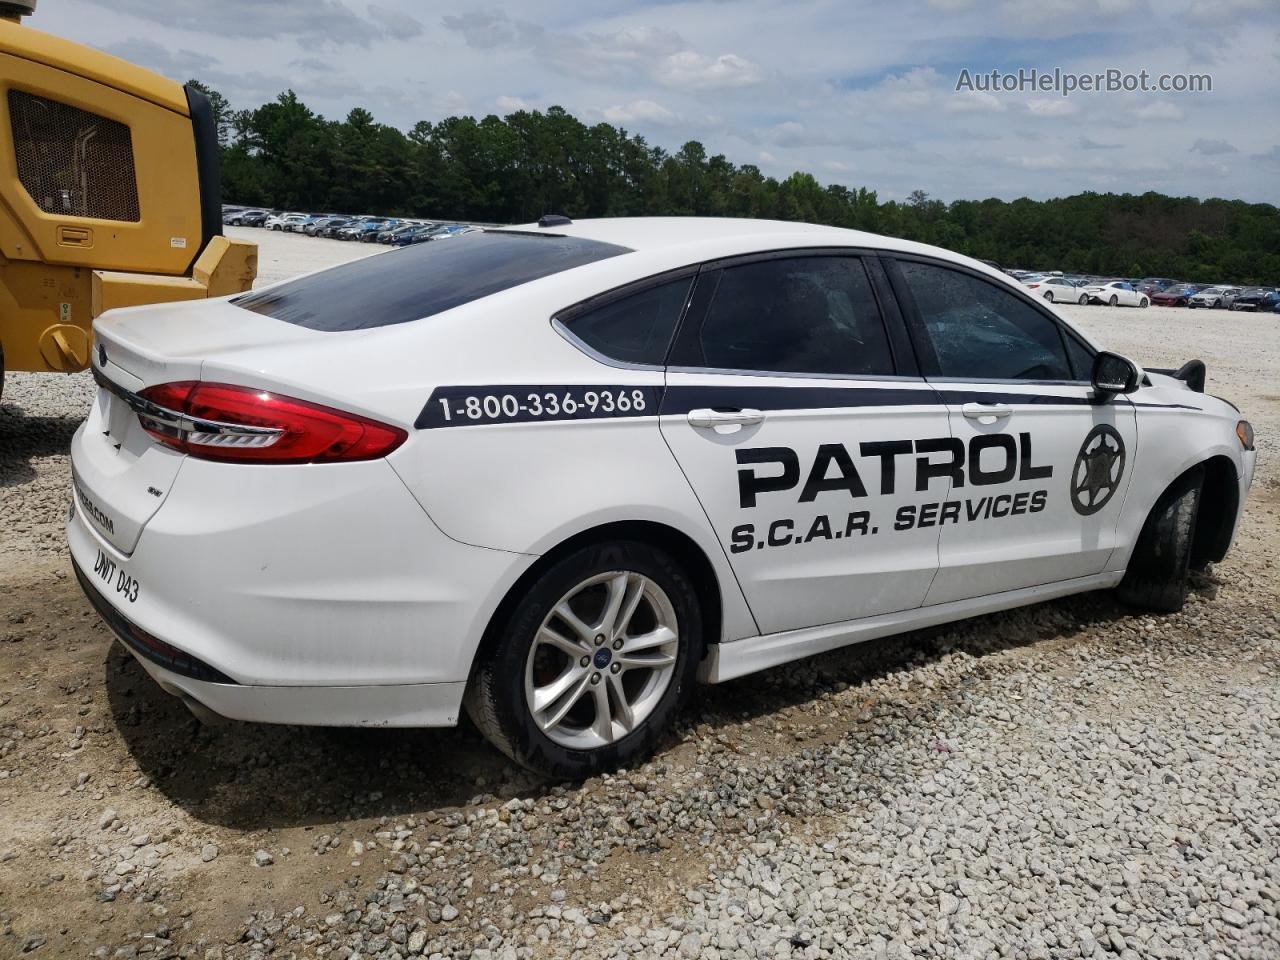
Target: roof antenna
554, 220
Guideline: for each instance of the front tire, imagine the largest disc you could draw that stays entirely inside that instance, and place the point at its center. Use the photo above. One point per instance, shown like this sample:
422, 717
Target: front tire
1156, 578
592, 664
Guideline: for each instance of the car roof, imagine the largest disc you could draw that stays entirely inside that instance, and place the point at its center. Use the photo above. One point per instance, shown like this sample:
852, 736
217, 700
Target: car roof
649, 233
661, 243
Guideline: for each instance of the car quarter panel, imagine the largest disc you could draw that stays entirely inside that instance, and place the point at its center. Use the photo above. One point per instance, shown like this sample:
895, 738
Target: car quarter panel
1176, 430
302, 575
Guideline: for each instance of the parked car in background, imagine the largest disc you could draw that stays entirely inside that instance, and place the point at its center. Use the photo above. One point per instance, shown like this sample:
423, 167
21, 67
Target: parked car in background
246, 218
1213, 297
1115, 293
386, 236
316, 227
1177, 295
1056, 289
298, 225
375, 228
1150, 285
1261, 299
361, 227
420, 233
452, 230
279, 222
335, 229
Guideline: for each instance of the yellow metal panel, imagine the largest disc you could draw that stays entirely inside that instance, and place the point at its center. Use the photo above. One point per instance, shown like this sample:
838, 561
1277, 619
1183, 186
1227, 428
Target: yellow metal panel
169, 232
111, 290
22, 41
34, 299
227, 266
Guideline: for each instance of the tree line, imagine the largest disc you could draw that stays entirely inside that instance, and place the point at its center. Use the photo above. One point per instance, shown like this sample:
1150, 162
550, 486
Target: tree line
515, 168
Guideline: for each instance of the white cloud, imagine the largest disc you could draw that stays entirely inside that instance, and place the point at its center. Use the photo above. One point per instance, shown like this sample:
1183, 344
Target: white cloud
974, 101
639, 111
1220, 13
1160, 110
396, 23
1212, 148
1059, 107
511, 104
690, 70
1050, 162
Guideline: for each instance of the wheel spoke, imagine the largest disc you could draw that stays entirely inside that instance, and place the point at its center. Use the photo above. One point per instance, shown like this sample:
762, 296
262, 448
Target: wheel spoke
619, 697
561, 694
635, 593
565, 613
565, 644
613, 604
644, 660
603, 725
647, 641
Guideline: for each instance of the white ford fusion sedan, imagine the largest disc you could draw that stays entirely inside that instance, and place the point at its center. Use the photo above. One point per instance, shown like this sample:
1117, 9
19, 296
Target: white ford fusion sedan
558, 473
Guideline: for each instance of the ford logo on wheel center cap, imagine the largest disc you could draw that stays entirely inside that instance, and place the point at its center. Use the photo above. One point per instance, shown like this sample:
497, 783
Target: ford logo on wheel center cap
602, 657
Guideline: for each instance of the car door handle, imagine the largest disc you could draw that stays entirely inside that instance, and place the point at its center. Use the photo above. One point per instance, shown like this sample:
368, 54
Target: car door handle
986, 412
724, 418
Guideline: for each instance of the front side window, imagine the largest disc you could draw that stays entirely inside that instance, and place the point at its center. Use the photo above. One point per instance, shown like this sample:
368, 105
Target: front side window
981, 332
815, 315
636, 328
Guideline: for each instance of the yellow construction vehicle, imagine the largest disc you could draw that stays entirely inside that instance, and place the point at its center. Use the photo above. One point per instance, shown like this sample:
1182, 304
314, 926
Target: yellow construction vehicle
109, 196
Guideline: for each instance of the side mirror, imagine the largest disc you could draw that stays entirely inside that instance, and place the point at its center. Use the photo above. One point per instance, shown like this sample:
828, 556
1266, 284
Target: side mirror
1113, 373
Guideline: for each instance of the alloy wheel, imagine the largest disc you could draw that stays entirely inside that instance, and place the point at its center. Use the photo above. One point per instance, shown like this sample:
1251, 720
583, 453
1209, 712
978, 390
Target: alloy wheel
601, 660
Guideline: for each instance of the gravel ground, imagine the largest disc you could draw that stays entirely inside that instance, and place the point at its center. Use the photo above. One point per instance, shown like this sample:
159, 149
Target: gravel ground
1067, 780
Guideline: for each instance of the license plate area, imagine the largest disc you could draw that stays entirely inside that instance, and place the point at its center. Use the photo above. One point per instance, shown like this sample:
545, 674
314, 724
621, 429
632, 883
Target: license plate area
114, 579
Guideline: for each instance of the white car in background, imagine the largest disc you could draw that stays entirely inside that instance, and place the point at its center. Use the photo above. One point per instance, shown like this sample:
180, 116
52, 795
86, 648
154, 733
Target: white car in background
555, 473
1115, 293
1219, 296
285, 221
1055, 289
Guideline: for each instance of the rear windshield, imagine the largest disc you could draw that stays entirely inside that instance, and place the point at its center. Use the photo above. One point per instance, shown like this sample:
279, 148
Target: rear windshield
422, 280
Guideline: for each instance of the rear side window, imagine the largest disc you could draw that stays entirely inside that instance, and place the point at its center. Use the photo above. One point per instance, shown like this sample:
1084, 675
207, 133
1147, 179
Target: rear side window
814, 315
981, 332
636, 328
422, 280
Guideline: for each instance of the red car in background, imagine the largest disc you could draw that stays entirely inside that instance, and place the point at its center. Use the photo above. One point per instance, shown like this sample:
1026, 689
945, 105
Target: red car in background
1177, 295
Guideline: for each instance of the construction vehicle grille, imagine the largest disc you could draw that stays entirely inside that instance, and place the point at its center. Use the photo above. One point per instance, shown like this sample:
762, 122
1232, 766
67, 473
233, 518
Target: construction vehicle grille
72, 162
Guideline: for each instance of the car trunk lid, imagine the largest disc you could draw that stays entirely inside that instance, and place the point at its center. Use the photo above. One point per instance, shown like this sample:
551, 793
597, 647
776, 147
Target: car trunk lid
121, 476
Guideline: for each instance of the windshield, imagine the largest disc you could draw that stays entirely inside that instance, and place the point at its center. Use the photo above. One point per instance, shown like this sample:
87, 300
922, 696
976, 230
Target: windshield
422, 280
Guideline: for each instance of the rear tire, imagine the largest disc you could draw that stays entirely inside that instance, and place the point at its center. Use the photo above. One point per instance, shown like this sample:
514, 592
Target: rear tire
1114, 300
612, 709
1157, 575
1144, 302
1048, 295
1084, 298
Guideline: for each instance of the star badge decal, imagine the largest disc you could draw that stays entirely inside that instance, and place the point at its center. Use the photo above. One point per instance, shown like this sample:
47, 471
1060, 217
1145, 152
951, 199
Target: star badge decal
1098, 469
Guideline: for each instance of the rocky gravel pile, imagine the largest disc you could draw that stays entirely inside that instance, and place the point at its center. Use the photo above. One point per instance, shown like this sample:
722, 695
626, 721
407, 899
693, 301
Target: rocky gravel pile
1067, 780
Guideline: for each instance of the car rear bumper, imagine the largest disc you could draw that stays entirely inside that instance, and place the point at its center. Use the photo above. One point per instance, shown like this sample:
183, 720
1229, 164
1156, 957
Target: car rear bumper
210, 694
299, 595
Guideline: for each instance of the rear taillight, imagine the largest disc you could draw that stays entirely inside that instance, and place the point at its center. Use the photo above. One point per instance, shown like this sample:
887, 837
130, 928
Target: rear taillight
218, 421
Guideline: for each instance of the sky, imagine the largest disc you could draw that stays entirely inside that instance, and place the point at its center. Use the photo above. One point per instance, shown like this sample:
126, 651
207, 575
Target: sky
862, 93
